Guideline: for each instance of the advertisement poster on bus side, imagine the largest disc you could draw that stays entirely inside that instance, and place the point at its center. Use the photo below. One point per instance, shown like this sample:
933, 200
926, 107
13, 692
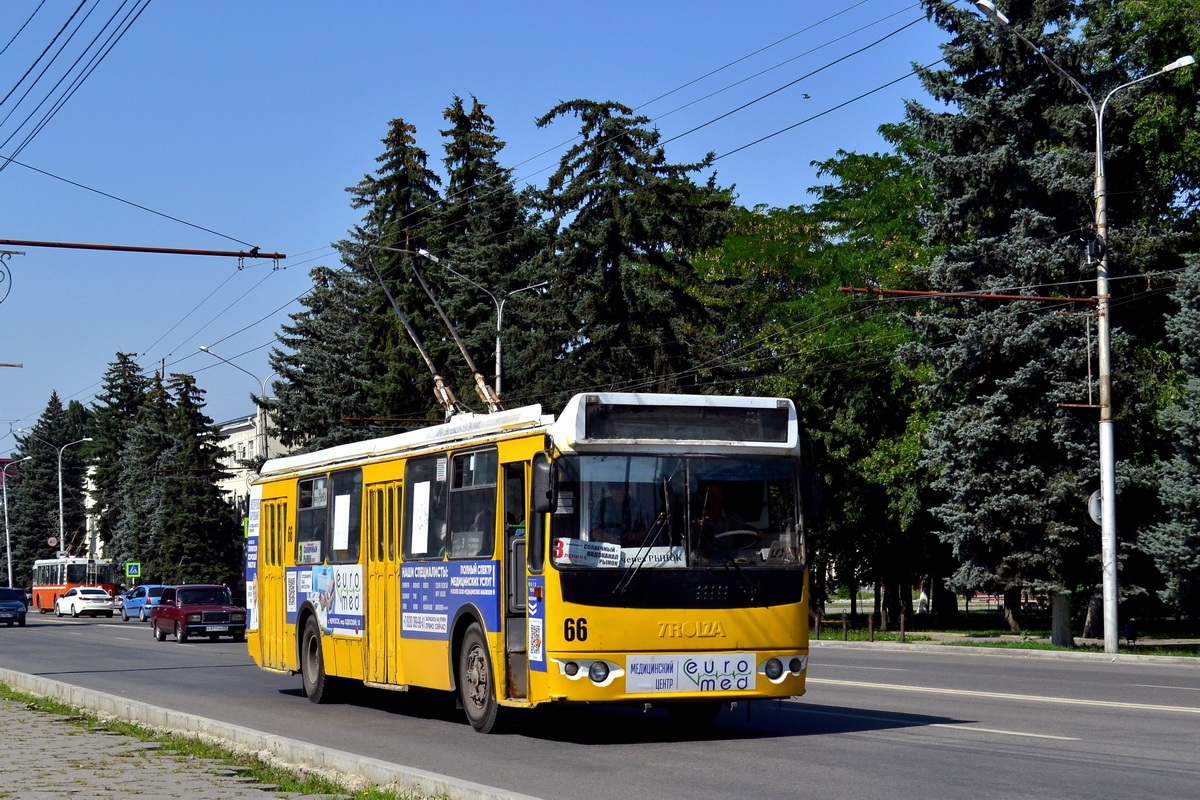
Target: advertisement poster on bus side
335, 591
252, 559
431, 594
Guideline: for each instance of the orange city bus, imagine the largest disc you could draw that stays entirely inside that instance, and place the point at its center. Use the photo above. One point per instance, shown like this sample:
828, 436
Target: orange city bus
52, 577
518, 559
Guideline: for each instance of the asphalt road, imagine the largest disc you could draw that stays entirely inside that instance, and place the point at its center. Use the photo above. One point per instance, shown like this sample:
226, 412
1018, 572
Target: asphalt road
877, 721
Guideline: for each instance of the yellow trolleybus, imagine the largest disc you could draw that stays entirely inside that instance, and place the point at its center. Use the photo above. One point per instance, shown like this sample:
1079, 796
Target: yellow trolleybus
640, 548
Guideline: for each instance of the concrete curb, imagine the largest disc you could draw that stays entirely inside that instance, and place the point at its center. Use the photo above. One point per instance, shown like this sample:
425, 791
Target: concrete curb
350, 770
1009, 652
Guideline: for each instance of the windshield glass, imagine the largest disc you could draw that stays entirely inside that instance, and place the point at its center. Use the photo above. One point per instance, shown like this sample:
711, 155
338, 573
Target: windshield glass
210, 596
618, 511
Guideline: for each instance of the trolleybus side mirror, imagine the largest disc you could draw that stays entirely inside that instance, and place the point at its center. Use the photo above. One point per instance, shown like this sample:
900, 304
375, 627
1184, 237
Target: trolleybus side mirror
543, 494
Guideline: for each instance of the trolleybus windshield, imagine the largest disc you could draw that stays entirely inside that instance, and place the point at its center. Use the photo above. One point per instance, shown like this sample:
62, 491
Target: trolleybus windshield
617, 511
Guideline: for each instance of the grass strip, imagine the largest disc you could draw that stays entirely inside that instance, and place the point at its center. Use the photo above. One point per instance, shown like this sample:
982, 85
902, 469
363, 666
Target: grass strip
283, 780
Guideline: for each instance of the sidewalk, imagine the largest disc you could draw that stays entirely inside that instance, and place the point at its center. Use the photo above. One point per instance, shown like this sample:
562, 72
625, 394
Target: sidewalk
48, 757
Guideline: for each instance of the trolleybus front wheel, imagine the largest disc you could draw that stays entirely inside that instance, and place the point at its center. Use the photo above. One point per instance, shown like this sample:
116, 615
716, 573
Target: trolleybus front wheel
319, 687
475, 684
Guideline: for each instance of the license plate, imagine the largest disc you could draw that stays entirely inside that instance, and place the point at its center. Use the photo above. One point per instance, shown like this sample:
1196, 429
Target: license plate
217, 628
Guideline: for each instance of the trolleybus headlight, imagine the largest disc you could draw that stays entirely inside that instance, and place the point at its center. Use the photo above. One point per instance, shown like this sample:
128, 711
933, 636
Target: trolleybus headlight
598, 672
796, 665
773, 668
571, 668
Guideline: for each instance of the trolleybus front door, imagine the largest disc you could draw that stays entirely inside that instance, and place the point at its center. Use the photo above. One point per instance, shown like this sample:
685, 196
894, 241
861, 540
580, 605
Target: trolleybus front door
383, 582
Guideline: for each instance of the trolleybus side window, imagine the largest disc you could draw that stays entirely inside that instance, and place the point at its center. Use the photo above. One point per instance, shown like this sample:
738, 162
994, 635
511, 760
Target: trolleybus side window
473, 504
329, 524
425, 490
311, 520
345, 517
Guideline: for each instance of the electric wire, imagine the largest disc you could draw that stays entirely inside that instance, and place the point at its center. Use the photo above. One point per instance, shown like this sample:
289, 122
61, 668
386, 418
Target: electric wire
113, 38
21, 29
38, 60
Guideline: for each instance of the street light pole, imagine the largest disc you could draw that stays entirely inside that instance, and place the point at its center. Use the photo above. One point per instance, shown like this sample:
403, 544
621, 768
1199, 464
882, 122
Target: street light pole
1108, 483
7, 537
260, 415
62, 528
498, 302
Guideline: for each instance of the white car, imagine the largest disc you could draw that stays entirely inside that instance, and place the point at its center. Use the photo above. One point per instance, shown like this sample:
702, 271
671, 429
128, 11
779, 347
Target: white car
82, 600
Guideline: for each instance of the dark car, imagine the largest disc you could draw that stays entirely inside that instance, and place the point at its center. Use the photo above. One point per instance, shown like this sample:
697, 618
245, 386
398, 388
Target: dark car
13, 607
197, 609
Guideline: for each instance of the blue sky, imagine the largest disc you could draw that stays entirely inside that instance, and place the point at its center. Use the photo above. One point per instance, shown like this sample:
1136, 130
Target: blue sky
245, 121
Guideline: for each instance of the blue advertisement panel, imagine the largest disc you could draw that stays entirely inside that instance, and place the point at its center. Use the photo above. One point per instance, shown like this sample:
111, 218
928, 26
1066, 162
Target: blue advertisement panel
252, 528
432, 593
536, 611
335, 591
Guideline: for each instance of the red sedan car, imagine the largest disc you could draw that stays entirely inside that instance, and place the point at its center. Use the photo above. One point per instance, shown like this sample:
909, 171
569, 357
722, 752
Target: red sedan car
197, 609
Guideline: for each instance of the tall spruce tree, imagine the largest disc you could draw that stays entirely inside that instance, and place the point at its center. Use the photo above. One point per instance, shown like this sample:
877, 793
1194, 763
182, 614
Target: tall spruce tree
400, 201
1009, 164
34, 511
136, 534
1175, 543
199, 540
492, 237
114, 415
625, 226
323, 395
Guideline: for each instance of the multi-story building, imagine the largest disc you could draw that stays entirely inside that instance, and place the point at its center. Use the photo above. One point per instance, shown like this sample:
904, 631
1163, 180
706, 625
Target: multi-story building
243, 444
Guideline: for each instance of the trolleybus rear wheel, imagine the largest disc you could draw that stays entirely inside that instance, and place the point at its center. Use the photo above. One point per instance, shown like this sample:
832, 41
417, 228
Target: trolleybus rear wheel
475, 683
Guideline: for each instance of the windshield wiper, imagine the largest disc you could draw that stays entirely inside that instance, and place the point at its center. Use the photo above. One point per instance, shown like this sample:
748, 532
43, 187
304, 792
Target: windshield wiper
656, 527
663, 521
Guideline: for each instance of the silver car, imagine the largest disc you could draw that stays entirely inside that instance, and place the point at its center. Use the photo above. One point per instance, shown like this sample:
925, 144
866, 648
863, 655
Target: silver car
84, 600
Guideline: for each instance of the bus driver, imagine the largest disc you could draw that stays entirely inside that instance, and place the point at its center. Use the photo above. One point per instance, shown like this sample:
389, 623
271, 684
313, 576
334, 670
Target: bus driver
617, 518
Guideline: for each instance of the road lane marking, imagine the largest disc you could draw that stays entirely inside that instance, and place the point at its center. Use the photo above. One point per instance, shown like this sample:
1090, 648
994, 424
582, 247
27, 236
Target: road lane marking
1172, 688
857, 666
1070, 701
972, 728
1003, 733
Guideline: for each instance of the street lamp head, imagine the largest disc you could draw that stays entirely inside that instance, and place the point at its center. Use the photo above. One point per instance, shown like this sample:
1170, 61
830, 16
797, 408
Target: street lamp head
988, 9
204, 347
1183, 61
421, 251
